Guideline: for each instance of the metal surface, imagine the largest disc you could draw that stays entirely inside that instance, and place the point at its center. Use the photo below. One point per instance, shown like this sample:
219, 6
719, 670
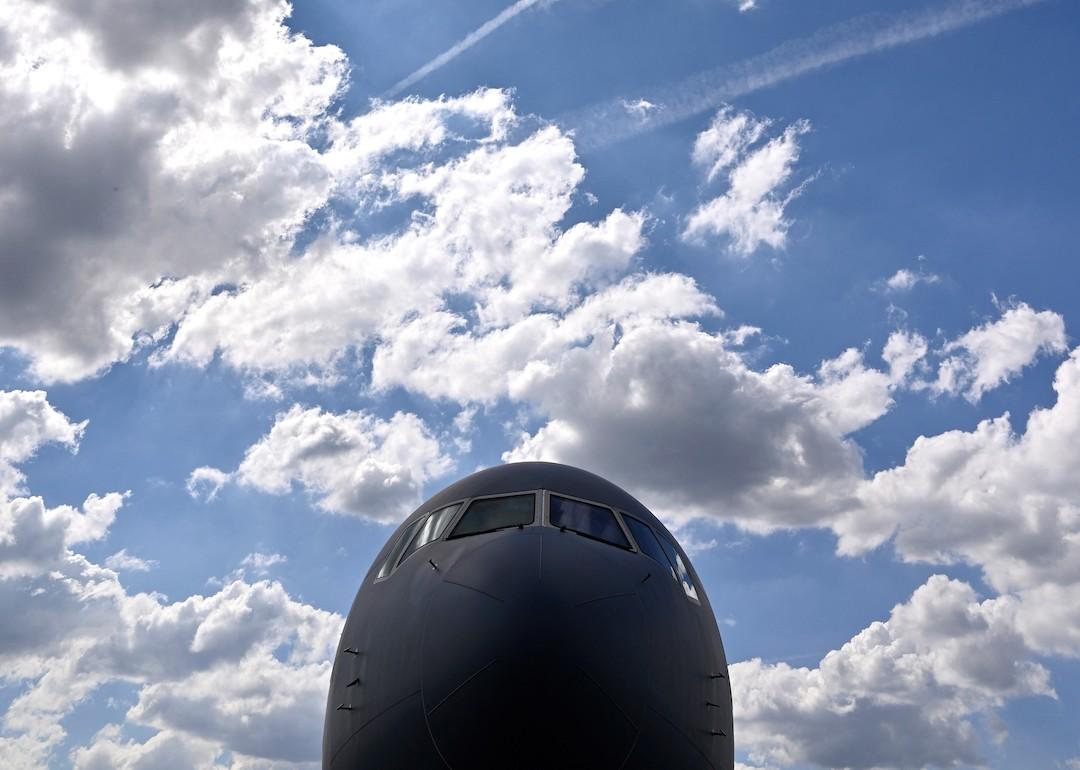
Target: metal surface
529, 647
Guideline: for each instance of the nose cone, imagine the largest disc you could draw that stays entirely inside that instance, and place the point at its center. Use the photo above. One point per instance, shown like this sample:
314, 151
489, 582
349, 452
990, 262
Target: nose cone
534, 654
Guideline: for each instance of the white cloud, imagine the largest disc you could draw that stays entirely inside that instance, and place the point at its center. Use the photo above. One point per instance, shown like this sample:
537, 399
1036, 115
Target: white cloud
440, 356
940, 660
27, 422
751, 210
175, 140
905, 280
639, 108
727, 140
720, 440
192, 659
352, 462
163, 751
202, 174
989, 497
196, 163
204, 483
991, 354
490, 233
122, 560
262, 563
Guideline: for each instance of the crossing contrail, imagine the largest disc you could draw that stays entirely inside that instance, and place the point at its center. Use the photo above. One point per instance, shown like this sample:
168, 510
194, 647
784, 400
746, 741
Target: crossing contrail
462, 45
617, 119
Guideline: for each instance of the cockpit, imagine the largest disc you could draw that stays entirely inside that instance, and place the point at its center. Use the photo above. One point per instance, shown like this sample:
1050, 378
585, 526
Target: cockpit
540, 508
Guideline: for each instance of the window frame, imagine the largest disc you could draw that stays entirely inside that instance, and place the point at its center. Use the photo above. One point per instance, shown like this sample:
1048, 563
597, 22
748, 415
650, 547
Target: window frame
536, 522
661, 538
631, 545
406, 553
398, 560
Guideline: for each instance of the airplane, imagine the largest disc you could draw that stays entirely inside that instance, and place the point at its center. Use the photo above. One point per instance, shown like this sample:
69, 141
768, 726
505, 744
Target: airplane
530, 615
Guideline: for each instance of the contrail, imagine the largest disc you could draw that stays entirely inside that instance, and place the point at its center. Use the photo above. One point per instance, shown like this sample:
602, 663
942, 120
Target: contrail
462, 45
612, 121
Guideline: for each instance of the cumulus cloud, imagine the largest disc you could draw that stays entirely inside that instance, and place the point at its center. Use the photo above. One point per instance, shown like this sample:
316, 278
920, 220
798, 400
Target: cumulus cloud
491, 233
765, 449
28, 422
352, 463
194, 177
79, 628
201, 177
175, 143
990, 355
110, 751
941, 660
990, 497
751, 212
441, 356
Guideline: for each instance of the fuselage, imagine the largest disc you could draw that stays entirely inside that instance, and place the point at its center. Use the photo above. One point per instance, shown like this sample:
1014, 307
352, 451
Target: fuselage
531, 615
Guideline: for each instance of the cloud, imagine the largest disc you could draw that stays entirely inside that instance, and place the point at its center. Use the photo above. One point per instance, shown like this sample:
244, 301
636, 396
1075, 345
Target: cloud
464, 44
990, 497
608, 122
204, 483
766, 449
639, 108
352, 463
206, 668
440, 356
262, 563
489, 233
904, 280
176, 143
28, 422
941, 659
241, 218
990, 355
163, 751
751, 211
122, 560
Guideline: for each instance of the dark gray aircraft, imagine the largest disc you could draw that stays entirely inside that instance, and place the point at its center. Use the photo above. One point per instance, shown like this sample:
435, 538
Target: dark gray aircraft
531, 615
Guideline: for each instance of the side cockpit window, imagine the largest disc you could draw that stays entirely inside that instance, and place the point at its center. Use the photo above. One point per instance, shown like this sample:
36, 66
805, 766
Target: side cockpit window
648, 543
680, 568
431, 528
490, 514
418, 534
590, 520
395, 552
661, 550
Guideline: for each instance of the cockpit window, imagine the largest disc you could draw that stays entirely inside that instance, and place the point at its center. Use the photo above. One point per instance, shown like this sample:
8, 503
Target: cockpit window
680, 568
585, 519
431, 528
492, 513
648, 543
406, 538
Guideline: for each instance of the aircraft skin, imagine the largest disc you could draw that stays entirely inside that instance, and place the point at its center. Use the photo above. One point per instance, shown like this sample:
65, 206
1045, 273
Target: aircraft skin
559, 641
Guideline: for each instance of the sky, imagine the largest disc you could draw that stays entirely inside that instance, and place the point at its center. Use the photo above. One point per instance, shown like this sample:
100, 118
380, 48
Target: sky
799, 276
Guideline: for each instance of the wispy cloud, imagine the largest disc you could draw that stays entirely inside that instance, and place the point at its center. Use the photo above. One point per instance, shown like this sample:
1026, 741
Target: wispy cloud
464, 44
612, 121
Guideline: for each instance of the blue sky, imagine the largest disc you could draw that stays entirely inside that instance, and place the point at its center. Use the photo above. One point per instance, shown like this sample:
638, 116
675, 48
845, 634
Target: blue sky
778, 270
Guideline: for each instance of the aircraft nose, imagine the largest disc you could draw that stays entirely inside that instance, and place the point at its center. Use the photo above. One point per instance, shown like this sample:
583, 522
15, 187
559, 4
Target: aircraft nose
534, 654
